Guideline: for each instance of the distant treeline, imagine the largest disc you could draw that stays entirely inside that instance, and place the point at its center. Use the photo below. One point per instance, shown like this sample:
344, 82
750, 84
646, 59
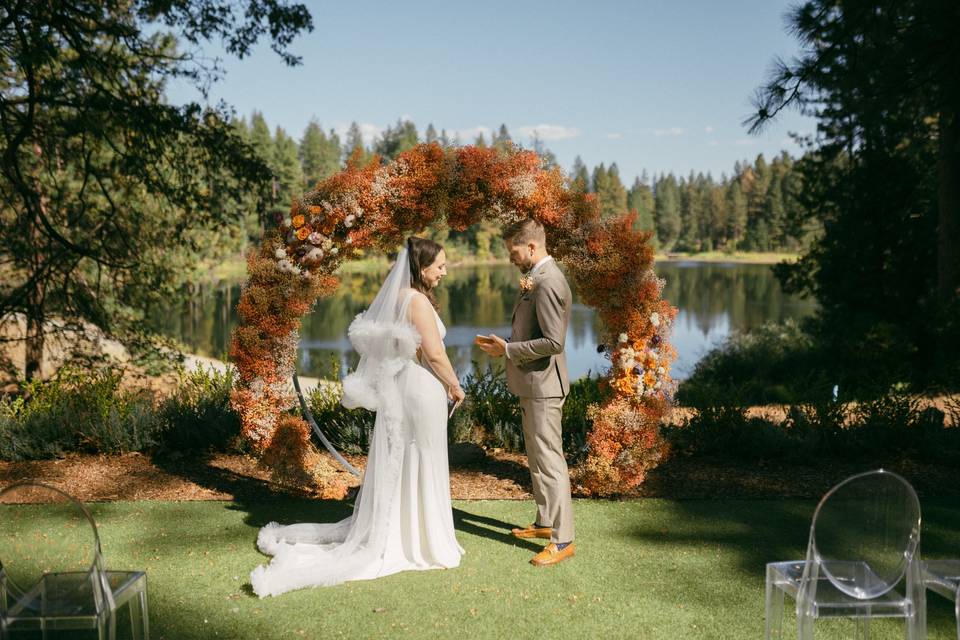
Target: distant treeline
749, 210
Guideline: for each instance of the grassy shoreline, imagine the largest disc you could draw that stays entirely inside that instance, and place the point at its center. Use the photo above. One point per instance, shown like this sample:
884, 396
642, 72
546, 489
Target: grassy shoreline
235, 267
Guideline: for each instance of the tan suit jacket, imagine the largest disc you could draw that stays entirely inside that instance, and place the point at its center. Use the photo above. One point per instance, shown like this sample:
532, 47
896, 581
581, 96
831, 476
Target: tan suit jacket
536, 364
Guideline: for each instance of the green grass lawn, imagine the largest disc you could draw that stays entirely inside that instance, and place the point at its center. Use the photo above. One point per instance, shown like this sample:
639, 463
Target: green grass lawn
643, 569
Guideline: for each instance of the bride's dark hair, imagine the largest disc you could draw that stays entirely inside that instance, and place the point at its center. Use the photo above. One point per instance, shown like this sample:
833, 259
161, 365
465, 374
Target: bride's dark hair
421, 253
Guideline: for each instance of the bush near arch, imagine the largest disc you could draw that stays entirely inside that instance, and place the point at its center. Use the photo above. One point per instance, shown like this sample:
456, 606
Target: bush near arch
374, 207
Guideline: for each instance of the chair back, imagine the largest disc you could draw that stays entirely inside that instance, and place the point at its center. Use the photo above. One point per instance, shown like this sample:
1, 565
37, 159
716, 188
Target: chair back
865, 533
46, 533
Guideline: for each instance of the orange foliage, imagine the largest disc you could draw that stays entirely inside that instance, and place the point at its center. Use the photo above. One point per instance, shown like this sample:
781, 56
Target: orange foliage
374, 205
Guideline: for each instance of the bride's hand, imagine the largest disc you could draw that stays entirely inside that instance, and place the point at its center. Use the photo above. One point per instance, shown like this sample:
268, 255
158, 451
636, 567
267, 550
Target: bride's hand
456, 394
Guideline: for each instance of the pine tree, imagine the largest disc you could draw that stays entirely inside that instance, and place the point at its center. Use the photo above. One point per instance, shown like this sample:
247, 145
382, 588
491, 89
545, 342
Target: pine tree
611, 193
262, 144
757, 183
598, 179
640, 199
260, 138
689, 216
395, 140
579, 178
501, 139
431, 134
716, 216
736, 220
480, 141
312, 147
288, 169
332, 155
353, 145
667, 200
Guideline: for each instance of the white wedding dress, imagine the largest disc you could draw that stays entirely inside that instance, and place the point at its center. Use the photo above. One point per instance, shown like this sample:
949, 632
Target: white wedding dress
402, 518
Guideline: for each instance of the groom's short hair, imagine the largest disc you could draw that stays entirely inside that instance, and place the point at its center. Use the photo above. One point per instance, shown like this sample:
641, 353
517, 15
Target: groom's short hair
524, 231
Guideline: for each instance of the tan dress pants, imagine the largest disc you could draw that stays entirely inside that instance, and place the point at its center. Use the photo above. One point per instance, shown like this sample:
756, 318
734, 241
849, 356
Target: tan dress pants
548, 467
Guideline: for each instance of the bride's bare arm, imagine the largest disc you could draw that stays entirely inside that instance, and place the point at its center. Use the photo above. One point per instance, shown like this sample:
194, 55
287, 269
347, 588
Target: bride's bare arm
431, 345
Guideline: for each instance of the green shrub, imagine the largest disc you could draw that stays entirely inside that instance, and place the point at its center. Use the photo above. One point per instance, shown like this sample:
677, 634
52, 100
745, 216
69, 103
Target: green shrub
775, 363
891, 426
76, 411
198, 417
583, 393
348, 430
490, 415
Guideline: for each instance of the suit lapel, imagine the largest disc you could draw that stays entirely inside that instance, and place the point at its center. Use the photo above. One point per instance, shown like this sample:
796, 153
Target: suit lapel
542, 272
516, 306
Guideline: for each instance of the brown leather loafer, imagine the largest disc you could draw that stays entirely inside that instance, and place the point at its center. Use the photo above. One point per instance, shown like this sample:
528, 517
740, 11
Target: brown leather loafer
550, 555
532, 532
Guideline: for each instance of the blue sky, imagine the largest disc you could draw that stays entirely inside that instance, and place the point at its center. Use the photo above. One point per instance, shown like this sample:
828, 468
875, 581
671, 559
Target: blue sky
661, 86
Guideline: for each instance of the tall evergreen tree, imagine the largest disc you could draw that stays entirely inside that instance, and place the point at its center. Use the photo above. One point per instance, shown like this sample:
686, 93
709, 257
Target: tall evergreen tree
313, 146
689, 238
667, 200
431, 134
736, 207
397, 139
353, 146
579, 178
501, 139
640, 199
611, 193
598, 179
882, 80
260, 138
287, 165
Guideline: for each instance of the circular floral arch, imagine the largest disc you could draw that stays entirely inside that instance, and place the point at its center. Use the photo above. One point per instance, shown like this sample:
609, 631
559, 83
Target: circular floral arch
374, 207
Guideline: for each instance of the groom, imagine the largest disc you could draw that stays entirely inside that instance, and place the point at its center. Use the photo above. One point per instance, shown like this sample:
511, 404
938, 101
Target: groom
537, 373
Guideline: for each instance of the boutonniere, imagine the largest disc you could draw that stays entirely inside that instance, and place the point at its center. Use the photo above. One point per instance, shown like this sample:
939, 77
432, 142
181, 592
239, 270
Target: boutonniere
526, 283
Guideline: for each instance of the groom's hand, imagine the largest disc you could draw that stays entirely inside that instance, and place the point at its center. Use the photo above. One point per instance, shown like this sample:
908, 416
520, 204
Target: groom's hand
492, 345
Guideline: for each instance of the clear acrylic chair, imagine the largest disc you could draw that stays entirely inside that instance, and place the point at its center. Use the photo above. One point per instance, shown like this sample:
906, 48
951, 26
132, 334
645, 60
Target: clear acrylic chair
943, 577
52, 574
864, 542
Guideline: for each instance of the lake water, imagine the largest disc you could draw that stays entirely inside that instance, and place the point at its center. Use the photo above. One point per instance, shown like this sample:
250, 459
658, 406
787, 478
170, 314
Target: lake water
713, 299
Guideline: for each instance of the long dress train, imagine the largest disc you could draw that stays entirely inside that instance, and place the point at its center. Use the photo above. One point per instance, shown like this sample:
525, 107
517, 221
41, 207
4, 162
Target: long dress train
402, 518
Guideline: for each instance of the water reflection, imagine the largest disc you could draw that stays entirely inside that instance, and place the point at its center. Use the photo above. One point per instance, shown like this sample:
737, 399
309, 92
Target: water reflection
714, 299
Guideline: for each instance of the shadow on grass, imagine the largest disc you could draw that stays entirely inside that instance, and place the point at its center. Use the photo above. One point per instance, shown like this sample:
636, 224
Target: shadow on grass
490, 528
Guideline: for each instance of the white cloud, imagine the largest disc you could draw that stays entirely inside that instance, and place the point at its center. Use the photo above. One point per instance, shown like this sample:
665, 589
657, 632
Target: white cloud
614, 136
788, 142
713, 143
744, 142
708, 128
549, 131
670, 131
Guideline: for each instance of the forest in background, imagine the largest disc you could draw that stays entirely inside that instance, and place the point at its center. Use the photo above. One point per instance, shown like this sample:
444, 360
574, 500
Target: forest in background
751, 210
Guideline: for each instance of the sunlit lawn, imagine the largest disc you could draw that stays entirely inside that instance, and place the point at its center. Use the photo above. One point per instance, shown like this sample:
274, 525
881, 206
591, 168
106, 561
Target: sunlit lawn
643, 569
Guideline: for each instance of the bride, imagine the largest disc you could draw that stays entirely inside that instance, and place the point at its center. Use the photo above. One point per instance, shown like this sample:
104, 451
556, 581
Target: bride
402, 518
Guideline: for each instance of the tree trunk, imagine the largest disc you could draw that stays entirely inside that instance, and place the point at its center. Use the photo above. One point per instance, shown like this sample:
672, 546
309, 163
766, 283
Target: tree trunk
35, 337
